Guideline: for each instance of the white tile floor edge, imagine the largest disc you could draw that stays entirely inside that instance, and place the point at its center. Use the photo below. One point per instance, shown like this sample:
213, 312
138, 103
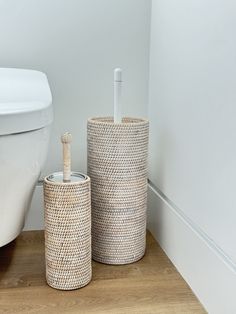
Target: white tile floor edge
210, 274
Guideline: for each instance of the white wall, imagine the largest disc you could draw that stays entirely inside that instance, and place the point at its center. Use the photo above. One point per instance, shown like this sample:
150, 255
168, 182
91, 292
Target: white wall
192, 110
78, 43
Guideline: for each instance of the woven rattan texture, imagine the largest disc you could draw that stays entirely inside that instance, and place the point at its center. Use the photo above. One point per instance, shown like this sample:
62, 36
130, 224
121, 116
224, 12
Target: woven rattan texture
117, 166
67, 234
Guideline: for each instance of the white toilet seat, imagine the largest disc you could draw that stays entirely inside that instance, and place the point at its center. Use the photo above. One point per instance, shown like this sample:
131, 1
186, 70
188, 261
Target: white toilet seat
25, 101
25, 118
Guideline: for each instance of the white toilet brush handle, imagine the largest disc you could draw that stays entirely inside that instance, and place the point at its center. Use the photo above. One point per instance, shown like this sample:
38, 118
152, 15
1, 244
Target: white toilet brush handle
117, 95
66, 140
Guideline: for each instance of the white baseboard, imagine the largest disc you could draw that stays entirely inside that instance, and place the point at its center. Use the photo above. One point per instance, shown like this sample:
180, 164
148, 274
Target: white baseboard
207, 270
35, 217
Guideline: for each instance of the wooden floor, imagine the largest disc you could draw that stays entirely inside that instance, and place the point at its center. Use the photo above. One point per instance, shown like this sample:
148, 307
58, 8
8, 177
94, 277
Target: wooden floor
151, 285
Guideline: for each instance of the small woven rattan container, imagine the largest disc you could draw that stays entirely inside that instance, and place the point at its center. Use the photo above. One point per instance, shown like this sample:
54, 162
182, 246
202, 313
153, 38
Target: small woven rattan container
67, 231
117, 166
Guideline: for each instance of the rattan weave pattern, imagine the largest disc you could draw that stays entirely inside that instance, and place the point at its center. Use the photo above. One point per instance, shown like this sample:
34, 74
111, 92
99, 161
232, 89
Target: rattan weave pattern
117, 166
67, 234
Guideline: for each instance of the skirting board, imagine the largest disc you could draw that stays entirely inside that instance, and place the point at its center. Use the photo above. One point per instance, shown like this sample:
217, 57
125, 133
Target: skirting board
209, 273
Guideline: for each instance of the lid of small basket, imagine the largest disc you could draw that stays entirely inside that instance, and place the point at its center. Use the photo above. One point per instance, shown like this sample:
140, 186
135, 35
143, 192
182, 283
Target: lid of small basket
58, 177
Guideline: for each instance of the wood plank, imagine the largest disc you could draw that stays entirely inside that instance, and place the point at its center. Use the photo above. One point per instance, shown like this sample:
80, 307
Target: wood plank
151, 285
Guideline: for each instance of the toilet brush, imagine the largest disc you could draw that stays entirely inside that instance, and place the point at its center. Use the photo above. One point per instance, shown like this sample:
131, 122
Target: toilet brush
117, 95
117, 166
67, 225
66, 140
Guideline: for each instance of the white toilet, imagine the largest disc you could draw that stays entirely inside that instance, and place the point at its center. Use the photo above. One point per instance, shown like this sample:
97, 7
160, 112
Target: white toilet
25, 118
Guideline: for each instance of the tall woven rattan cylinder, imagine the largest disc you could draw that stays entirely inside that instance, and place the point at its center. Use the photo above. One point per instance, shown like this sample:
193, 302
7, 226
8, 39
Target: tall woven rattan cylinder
117, 166
67, 233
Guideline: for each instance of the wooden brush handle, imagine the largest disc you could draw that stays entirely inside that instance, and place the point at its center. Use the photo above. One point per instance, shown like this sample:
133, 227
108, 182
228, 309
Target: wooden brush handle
66, 140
